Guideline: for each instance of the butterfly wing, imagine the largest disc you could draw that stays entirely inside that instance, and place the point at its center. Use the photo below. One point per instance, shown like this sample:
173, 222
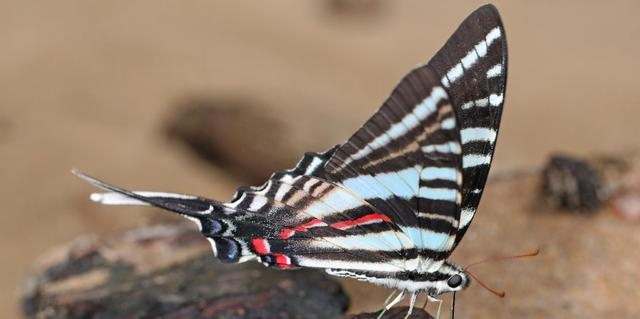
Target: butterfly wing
406, 161
472, 66
390, 198
296, 219
320, 224
414, 165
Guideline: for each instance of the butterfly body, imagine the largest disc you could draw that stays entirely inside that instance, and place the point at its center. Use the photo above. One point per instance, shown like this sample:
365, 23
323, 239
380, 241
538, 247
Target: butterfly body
390, 204
432, 283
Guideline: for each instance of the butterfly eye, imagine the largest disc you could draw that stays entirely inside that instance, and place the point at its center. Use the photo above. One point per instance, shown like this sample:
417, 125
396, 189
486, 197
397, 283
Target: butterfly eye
454, 281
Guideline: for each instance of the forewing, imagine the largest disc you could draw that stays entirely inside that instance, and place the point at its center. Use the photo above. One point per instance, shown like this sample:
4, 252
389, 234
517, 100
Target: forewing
472, 66
406, 161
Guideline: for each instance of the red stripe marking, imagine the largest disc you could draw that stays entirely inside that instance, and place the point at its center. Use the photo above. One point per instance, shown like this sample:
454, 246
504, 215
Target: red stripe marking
367, 219
260, 245
282, 261
286, 233
313, 223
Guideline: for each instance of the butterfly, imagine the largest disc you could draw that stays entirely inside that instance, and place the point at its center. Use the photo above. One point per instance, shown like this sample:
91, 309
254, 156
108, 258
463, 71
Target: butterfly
390, 204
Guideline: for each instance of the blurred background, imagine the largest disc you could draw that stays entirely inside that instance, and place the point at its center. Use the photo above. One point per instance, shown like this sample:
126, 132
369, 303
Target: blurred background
99, 86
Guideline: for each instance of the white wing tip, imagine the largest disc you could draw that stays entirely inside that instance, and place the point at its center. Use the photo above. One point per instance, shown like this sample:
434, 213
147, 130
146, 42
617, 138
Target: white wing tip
115, 199
96, 197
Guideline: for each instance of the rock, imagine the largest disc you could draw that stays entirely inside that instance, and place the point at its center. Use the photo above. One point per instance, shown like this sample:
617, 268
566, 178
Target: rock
625, 188
248, 139
167, 271
355, 9
572, 184
393, 313
584, 185
627, 206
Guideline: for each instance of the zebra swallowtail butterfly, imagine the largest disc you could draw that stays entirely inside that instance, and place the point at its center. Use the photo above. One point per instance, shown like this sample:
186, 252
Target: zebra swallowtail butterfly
390, 204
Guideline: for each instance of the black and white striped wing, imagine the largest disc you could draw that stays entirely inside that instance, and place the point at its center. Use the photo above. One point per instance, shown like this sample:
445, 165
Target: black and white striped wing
300, 219
424, 157
472, 66
406, 161
296, 219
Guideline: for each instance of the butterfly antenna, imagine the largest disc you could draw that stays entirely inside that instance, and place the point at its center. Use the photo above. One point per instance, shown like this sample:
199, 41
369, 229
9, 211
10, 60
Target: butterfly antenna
502, 258
500, 294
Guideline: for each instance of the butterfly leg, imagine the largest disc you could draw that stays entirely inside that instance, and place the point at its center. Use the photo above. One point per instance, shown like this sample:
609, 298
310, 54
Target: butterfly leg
439, 308
391, 304
414, 296
386, 301
424, 305
439, 301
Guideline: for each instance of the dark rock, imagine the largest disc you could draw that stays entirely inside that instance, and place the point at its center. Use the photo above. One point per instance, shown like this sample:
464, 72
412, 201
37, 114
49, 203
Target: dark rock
168, 272
571, 183
393, 313
249, 139
355, 9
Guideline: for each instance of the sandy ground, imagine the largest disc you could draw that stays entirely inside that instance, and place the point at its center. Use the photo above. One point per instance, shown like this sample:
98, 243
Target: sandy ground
88, 85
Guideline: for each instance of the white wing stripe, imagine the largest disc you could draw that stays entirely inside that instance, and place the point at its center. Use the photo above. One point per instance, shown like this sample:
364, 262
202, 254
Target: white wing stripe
448, 124
120, 199
472, 57
481, 48
495, 71
455, 73
313, 165
492, 100
283, 189
367, 187
420, 112
478, 134
214, 248
404, 184
340, 200
438, 193
433, 173
493, 35
466, 215
308, 184
473, 160
450, 147
479, 103
427, 239
391, 265
257, 203
383, 241
496, 99
318, 209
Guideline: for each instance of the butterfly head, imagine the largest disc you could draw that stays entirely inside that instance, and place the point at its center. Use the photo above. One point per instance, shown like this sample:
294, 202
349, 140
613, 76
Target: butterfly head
451, 278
